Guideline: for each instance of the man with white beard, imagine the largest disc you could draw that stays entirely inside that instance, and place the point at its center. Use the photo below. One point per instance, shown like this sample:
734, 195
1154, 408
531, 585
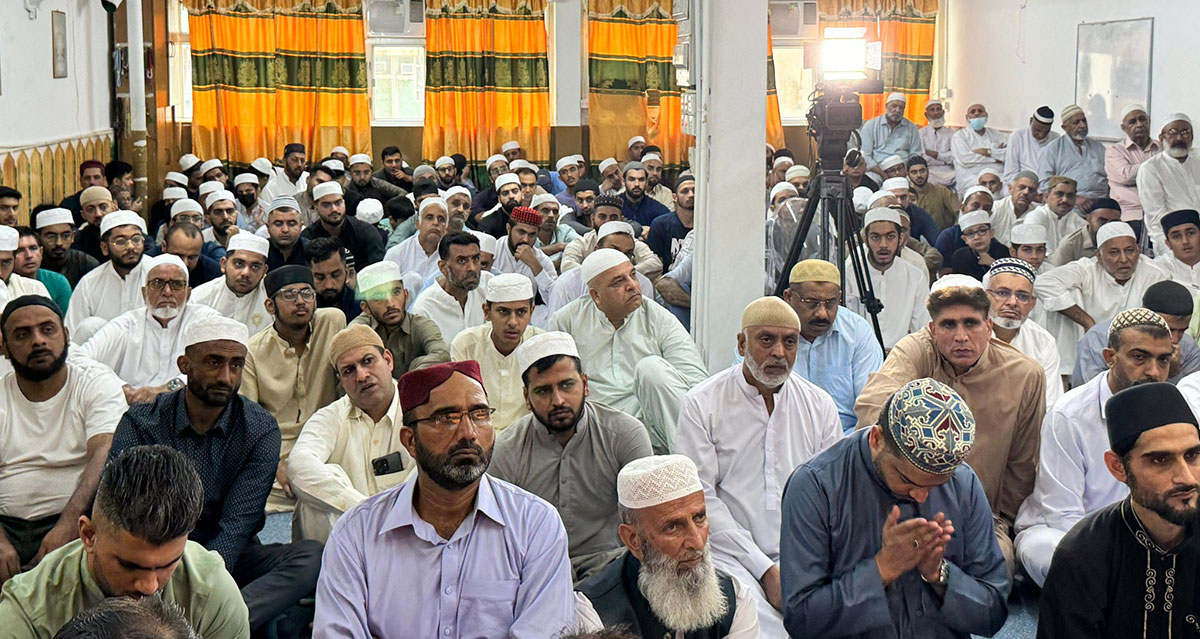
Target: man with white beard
666, 584
1169, 181
1009, 284
935, 138
1078, 157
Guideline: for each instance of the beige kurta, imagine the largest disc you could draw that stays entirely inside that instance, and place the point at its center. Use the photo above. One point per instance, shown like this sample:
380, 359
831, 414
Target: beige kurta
501, 375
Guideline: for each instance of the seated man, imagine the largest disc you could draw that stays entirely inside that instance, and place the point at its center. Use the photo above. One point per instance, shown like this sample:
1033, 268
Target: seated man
508, 310
455, 300
363, 240
287, 368
638, 357
1172, 302
981, 248
570, 285
133, 544
747, 428
569, 450
413, 340
1153, 446
56, 423
929, 568
16, 285
283, 232
234, 443
116, 286
1058, 215
142, 346
1071, 479
27, 262
183, 240
481, 557
1009, 284
220, 211
666, 584
940, 202
901, 286
608, 209
128, 617
516, 253
56, 231
1082, 241
95, 202
350, 449
1009, 212
240, 294
332, 275
1029, 246
1003, 388
1182, 236
838, 349
420, 253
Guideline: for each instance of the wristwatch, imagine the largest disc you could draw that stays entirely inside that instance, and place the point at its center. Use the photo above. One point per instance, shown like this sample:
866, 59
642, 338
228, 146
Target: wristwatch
943, 576
174, 385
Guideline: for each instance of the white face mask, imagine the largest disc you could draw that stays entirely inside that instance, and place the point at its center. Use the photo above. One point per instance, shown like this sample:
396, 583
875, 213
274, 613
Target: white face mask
938, 122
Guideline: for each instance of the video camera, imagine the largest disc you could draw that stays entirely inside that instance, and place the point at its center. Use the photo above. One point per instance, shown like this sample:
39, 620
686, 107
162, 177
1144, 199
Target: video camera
834, 117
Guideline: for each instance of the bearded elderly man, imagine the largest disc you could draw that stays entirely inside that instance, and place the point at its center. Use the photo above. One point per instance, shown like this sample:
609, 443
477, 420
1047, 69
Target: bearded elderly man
143, 345
1076, 156
1026, 145
455, 299
1170, 180
1154, 449
1005, 390
666, 585
638, 357
482, 557
890, 133
240, 294
1009, 284
420, 252
935, 140
115, 287
889, 533
747, 428
568, 450
1072, 481
413, 340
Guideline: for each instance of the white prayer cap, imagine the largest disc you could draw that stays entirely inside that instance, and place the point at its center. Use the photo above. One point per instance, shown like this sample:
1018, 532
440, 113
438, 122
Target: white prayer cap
164, 259
654, 156
780, 188
424, 170
881, 214
284, 202
174, 193
506, 179
360, 158
1110, 231
433, 201
542, 198
249, 242
207, 188
634, 140
974, 218
187, 161
1028, 234
511, 145
487, 243
245, 178
378, 274
445, 160
263, 165
325, 189
797, 170
615, 226
509, 287
896, 97
1131, 108
451, 192
890, 161
607, 163
494, 159
334, 164
978, 188
862, 197
657, 479
209, 165
987, 171
121, 218
1172, 117
518, 165
779, 161
543, 345
601, 260
177, 178
955, 279
340, 149
934, 101
215, 328
9, 238
876, 196
217, 196
50, 217
369, 210
181, 206
1070, 111
567, 160
894, 184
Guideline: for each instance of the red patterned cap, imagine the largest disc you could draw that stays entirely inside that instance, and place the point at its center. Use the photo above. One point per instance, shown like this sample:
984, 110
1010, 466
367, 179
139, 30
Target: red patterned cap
415, 386
525, 215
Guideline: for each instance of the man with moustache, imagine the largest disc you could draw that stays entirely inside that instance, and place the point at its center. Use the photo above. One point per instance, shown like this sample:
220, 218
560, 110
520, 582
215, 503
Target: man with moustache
1026, 145
667, 232
56, 232
367, 185
1010, 211
940, 202
1076, 156
293, 178
637, 205
1124, 159
1169, 181
1009, 285
413, 340
328, 261
115, 287
517, 254
494, 221
455, 299
580, 215
890, 133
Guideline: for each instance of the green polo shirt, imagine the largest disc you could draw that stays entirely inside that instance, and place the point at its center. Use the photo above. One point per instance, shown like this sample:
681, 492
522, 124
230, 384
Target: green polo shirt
36, 604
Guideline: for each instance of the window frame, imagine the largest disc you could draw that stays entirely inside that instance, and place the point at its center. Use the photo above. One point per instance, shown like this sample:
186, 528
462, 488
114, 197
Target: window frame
777, 44
393, 41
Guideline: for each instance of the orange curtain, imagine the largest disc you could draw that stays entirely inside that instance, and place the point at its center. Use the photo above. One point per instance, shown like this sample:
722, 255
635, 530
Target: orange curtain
487, 78
266, 73
774, 119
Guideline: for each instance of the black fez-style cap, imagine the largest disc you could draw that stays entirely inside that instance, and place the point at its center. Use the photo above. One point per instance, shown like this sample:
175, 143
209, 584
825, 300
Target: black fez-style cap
1144, 407
290, 274
294, 147
1182, 216
1168, 298
28, 300
423, 188
587, 184
1105, 203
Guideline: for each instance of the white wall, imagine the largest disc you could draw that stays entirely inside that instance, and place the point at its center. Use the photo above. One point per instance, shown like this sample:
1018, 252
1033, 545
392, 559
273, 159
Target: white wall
36, 108
1012, 59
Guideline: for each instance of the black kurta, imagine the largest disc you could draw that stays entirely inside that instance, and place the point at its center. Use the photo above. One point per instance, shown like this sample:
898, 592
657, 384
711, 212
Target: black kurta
1109, 579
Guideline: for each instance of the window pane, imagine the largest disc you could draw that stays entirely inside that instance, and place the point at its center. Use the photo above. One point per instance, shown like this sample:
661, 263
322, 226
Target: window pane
387, 17
793, 83
398, 82
181, 80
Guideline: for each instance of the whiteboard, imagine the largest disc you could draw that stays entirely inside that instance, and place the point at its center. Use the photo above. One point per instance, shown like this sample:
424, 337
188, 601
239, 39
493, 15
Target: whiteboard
1112, 71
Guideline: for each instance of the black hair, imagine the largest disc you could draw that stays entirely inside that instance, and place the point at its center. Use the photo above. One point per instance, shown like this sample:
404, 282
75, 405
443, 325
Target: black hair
323, 169
129, 618
116, 169
399, 208
784, 153
455, 238
1153, 330
26, 231
152, 492
916, 160
8, 191
323, 248
33, 215
546, 363
186, 228
390, 150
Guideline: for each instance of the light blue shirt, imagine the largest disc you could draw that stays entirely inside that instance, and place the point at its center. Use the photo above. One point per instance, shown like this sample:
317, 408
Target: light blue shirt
562, 235
504, 573
879, 140
1089, 358
1083, 164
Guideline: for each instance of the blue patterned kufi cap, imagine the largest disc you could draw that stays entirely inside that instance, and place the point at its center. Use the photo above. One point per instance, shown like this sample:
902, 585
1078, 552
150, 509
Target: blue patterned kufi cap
932, 425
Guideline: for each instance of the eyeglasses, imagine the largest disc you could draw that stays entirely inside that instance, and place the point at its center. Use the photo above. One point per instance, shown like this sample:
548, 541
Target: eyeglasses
190, 219
813, 304
1175, 131
292, 294
55, 238
451, 420
1003, 295
126, 242
159, 284
976, 233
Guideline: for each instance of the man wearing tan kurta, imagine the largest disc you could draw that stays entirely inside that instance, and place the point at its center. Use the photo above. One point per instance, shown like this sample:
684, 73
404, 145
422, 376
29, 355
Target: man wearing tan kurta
1005, 390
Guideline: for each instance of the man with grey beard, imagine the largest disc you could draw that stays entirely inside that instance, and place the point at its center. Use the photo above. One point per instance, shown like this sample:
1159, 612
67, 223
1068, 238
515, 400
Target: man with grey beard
666, 584
1169, 181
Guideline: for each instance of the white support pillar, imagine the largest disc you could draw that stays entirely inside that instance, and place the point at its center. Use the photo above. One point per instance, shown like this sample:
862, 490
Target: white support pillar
730, 180
564, 19
137, 94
